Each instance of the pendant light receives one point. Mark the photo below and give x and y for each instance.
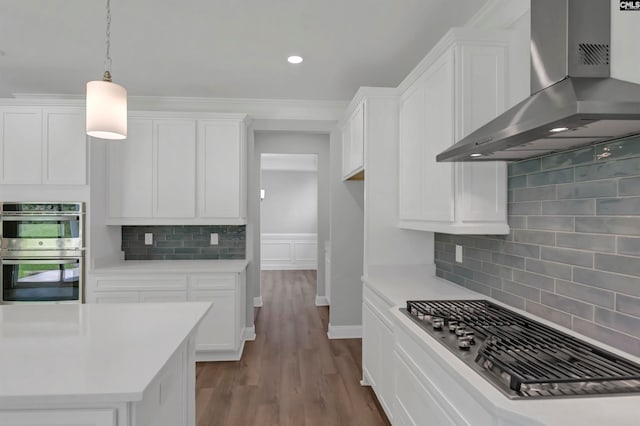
(106, 101)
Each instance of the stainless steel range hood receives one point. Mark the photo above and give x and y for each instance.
(573, 100)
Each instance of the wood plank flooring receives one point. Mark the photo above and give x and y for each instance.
(292, 374)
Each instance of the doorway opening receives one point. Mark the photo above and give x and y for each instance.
(288, 212)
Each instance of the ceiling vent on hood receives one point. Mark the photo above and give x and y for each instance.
(573, 100)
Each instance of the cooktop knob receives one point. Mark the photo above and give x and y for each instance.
(461, 330)
(437, 323)
(453, 325)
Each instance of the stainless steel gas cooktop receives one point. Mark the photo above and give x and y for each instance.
(522, 357)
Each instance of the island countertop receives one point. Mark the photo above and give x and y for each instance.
(77, 353)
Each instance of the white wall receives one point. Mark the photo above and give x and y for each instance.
(290, 205)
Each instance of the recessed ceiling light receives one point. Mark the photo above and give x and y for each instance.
(476, 154)
(295, 59)
(559, 129)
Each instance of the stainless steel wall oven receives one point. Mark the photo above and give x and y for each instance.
(42, 255)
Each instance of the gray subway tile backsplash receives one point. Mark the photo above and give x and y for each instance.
(609, 225)
(629, 186)
(618, 206)
(600, 188)
(550, 177)
(573, 255)
(184, 242)
(629, 245)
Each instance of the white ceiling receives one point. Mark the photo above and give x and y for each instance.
(221, 48)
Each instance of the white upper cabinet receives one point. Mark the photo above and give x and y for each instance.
(178, 171)
(459, 87)
(221, 169)
(353, 142)
(174, 157)
(65, 146)
(43, 145)
(130, 172)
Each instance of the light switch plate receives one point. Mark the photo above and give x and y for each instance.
(458, 253)
(148, 238)
(214, 239)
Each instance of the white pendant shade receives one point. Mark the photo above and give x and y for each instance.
(106, 110)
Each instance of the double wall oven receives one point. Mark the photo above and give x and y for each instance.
(42, 252)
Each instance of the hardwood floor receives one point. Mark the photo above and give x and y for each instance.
(292, 374)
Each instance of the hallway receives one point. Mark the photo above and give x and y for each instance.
(292, 374)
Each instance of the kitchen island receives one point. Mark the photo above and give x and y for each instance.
(98, 365)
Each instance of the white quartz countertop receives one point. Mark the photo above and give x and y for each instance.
(397, 284)
(88, 352)
(179, 266)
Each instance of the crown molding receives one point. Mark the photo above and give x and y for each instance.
(268, 109)
(368, 93)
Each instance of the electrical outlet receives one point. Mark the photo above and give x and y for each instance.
(148, 238)
(458, 253)
(214, 239)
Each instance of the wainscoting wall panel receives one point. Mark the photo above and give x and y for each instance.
(288, 251)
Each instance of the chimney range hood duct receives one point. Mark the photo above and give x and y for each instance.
(573, 100)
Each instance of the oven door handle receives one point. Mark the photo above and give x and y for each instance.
(40, 262)
(40, 218)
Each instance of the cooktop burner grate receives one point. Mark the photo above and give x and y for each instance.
(530, 358)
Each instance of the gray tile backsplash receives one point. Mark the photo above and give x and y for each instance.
(184, 242)
(573, 254)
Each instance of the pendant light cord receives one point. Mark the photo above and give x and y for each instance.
(107, 61)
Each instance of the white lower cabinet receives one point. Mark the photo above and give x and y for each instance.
(220, 335)
(377, 344)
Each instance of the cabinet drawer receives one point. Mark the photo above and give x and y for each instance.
(379, 306)
(162, 296)
(213, 282)
(414, 403)
(146, 282)
(90, 417)
(117, 297)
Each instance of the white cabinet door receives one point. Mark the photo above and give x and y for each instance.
(370, 346)
(174, 157)
(21, 143)
(480, 76)
(221, 163)
(412, 138)
(437, 186)
(130, 172)
(65, 146)
(357, 131)
(346, 149)
(217, 330)
(353, 140)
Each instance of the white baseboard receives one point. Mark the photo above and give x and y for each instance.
(344, 332)
(322, 301)
(257, 302)
(249, 333)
